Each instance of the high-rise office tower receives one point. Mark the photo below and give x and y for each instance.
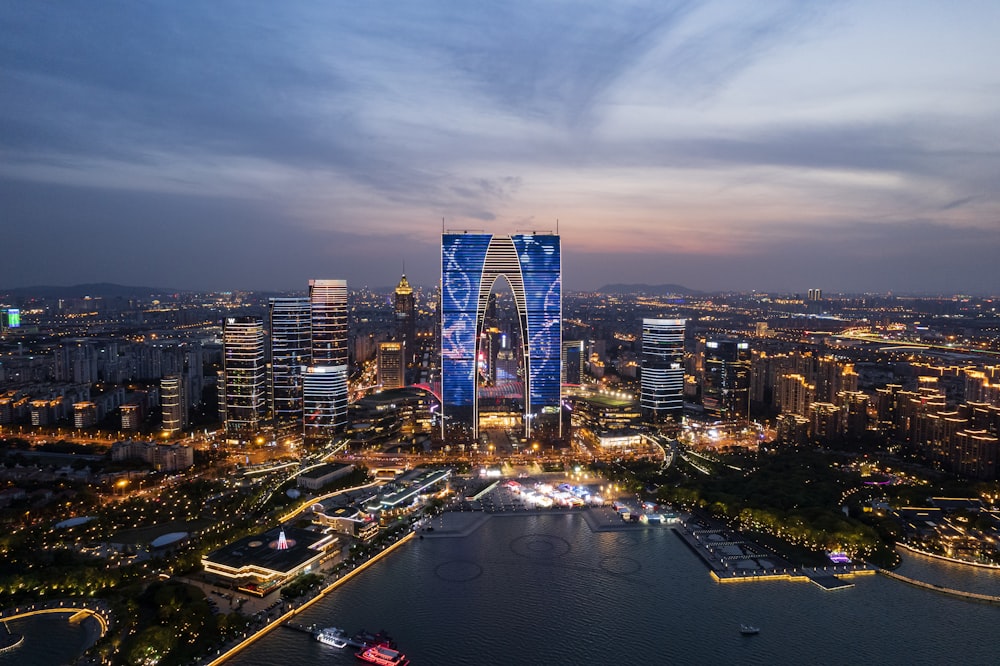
(572, 361)
(661, 393)
(324, 400)
(194, 374)
(406, 323)
(471, 264)
(391, 364)
(174, 403)
(328, 302)
(725, 385)
(244, 371)
(291, 350)
(220, 388)
(324, 382)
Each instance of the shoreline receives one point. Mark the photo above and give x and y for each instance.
(463, 525)
(978, 565)
(598, 519)
(280, 620)
(950, 591)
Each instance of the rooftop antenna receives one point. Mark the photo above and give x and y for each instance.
(557, 226)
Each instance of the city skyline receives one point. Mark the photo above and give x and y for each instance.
(720, 146)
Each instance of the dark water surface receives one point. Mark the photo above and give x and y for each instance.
(547, 590)
(49, 640)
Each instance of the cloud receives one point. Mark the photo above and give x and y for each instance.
(922, 258)
(958, 203)
(699, 131)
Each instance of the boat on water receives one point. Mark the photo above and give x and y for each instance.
(332, 636)
(747, 630)
(383, 656)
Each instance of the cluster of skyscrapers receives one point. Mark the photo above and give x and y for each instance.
(300, 375)
(308, 364)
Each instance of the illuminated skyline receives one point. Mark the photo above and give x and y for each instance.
(849, 146)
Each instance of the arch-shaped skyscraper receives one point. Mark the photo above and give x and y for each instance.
(471, 263)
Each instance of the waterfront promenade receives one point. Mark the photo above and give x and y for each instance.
(463, 523)
(270, 623)
(944, 558)
(733, 558)
(973, 596)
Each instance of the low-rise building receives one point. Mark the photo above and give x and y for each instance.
(261, 563)
(318, 477)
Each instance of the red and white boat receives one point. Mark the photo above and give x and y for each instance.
(384, 656)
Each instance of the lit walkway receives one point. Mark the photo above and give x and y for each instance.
(77, 609)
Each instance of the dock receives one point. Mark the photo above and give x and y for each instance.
(733, 558)
(311, 629)
(352, 641)
(830, 583)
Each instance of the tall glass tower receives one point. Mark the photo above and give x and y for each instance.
(725, 385)
(174, 403)
(471, 264)
(244, 372)
(291, 349)
(661, 393)
(324, 391)
(325, 380)
(406, 323)
(328, 300)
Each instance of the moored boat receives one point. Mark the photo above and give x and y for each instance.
(332, 636)
(383, 656)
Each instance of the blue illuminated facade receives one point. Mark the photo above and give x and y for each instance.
(471, 263)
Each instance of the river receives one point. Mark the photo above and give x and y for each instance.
(545, 589)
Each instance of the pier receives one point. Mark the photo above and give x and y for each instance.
(732, 558)
(311, 629)
(351, 641)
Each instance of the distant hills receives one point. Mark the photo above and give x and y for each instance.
(648, 289)
(95, 290)
(110, 290)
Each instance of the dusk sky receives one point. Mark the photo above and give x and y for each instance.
(850, 146)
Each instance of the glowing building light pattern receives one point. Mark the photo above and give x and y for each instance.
(291, 340)
(244, 373)
(471, 264)
(662, 379)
